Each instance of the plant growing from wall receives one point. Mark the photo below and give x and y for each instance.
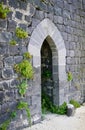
(6, 123)
(27, 55)
(22, 88)
(13, 42)
(69, 78)
(24, 69)
(75, 103)
(23, 105)
(47, 105)
(20, 33)
(24, 72)
(3, 11)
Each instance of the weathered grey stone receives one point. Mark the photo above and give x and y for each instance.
(57, 10)
(39, 15)
(7, 73)
(65, 23)
(23, 26)
(14, 83)
(4, 108)
(1, 96)
(5, 37)
(18, 59)
(59, 19)
(32, 10)
(70, 109)
(11, 25)
(60, 4)
(3, 24)
(22, 4)
(66, 14)
(28, 19)
(9, 61)
(10, 95)
(14, 4)
(10, 15)
(1, 64)
(43, 6)
(14, 50)
(18, 15)
(35, 22)
(5, 85)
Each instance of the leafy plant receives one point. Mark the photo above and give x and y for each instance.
(23, 105)
(5, 125)
(20, 33)
(25, 69)
(13, 114)
(75, 103)
(22, 88)
(69, 76)
(3, 11)
(47, 105)
(27, 55)
(62, 109)
(13, 42)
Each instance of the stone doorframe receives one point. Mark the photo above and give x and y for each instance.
(47, 30)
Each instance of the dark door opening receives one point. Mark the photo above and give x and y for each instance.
(46, 71)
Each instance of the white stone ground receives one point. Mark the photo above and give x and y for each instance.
(58, 122)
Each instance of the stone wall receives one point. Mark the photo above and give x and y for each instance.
(69, 18)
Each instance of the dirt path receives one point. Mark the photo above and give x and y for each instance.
(58, 122)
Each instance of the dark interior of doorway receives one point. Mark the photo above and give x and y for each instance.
(46, 74)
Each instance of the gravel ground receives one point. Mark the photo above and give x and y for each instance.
(58, 122)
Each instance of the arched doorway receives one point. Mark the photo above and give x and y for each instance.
(49, 70)
(46, 31)
(46, 70)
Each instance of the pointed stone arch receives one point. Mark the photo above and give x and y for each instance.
(47, 30)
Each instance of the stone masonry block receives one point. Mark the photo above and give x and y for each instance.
(5, 36)
(18, 15)
(9, 61)
(7, 73)
(3, 24)
(11, 25)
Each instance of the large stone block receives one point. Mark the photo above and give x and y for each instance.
(3, 24)
(9, 61)
(18, 15)
(11, 25)
(5, 36)
(1, 96)
(7, 73)
(18, 59)
(39, 15)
